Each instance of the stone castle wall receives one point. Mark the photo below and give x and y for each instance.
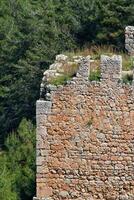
(85, 137)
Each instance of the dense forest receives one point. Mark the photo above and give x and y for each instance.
(32, 33)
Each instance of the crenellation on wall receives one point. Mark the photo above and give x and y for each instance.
(111, 73)
(84, 68)
(111, 68)
(129, 39)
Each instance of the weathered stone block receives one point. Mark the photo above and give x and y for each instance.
(84, 68)
(43, 107)
(129, 39)
(111, 68)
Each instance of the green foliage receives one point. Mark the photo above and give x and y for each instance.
(32, 32)
(95, 75)
(104, 21)
(6, 181)
(17, 164)
(128, 78)
(61, 80)
(127, 62)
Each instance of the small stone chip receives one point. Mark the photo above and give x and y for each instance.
(64, 194)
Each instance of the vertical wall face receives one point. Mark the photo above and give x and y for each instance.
(129, 39)
(111, 68)
(85, 138)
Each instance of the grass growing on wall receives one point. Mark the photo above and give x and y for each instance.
(95, 75)
(96, 51)
(127, 79)
(71, 68)
(60, 80)
(127, 62)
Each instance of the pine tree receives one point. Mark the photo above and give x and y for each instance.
(33, 32)
(105, 21)
(17, 164)
(6, 181)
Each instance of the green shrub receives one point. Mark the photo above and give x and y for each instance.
(7, 183)
(95, 75)
(128, 78)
